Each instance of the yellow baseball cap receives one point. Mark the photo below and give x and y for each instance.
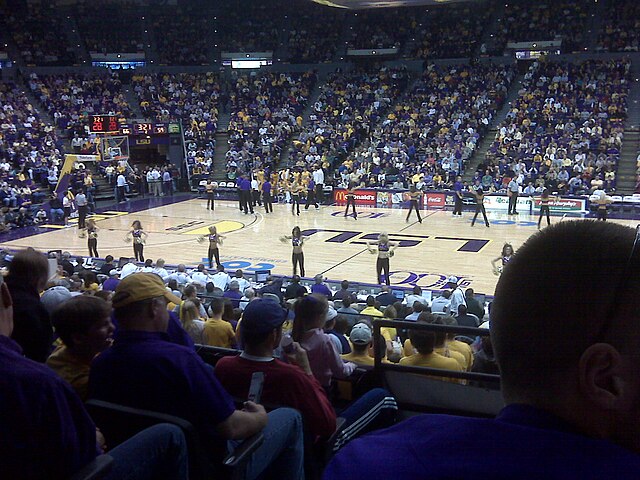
(141, 286)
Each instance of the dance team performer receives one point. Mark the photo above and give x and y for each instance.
(215, 240)
(384, 248)
(351, 200)
(139, 237)
(504, 258)
(297, 242)
(478, 192)
(92, 237)
(414, 198)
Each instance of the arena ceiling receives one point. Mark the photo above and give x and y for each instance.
(365, 4)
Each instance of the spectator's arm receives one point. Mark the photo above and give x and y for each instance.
(244, 423)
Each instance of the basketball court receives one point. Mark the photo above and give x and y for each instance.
(428, 254)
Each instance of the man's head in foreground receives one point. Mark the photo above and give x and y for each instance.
(565, 328)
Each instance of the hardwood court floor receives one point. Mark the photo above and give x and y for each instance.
(439, 247)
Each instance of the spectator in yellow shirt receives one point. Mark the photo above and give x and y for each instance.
(218, 332)
(371, 309)
(360, 336)
(425, 344)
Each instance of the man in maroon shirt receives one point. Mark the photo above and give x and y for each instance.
(284, 383)
(293, 384)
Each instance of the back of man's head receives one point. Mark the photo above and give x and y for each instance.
(446, 294)
(462, 309)
(295, 279)
(384, 289)
(344, 284)
(346, 302)
(417, 307)
(371, 301)
(29, 267)
(422, 340)
(543, 349)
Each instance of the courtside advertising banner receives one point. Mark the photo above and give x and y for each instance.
(501, 203)
(363, 197)
(576, 205)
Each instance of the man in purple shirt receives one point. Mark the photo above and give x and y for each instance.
(320, 288)
(266, 196)
(144, 369)
(45, 432)
(569, 374)
(245, 194)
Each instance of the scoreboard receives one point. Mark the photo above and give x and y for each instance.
(110, 124)
(104, 124)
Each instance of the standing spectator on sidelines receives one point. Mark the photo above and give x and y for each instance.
(512, 191)
(83, 209)
(266, 196)
(318, 179)
(167, 182)
(121, 187)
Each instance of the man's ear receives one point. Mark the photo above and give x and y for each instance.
(601, 376)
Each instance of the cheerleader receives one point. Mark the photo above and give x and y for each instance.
(544, 207)
(504, 258)
(384, 248)
(295, 189)
(92, 238)
(414, 198)
(351, 200)
(210, 189)
(478, 192)
(215, 240)
(139, 238)
(297, 241)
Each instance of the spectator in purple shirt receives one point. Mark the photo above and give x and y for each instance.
(233, 293)
(112, 282)
(45, 432)
(320, 288)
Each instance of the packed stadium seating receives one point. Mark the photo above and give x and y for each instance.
(110, 27)
(348, 107)
(266, 111)
(567, 120)
(182, 34)
(621, 29)
(437, 124)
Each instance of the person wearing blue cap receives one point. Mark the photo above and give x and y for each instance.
(292, 384)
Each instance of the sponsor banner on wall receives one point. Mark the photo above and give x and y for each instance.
(563, 205)
(435, 200)
(501, 203)
(363, 197)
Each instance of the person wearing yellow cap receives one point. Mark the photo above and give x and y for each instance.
(144, 369)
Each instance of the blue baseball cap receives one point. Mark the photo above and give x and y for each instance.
(262, 316)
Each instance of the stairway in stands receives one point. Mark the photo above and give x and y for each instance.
(480, 153)
(219, 172)
(626, 177)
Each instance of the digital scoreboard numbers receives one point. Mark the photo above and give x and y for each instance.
(104, 124)
(142, 128)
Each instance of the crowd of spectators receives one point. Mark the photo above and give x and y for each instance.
(30, 152)
(314, 34)
(191, 98)
(182, 34)
(549, 20)
(452, 31)
(110, 26)
(565, 129)
(621, 27)
(266, 109)
(71, 98)
(433, 129)
(38, 33)
(349, 105)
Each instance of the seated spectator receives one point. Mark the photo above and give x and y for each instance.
(348, 312)
(294, 289)
(180, 275)
(190, 292)
(243, 283)
(567, 369)
(274, 287)
(442, 303)
(129, 268)
(55, 296)
(200, 275)
(144, 370)
(344, 292)
(371, 309)
(293, 384)
(249, 295)
(233, 293)
(427, 344)
(416, 296)
(385, 298)
(68, 439)
(454, 345)
(111, 283)
(84, 325)
(218, 332)
(324, 359)
(336, 326)
(485, 360)
(361, 338)
(28, 274)
(160, 270)
(192, 321)
(418, 308)
(320, 288)
(473, 305)
(466, 319)
(108, 265)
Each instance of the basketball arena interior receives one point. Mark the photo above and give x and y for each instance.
(264, 239)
